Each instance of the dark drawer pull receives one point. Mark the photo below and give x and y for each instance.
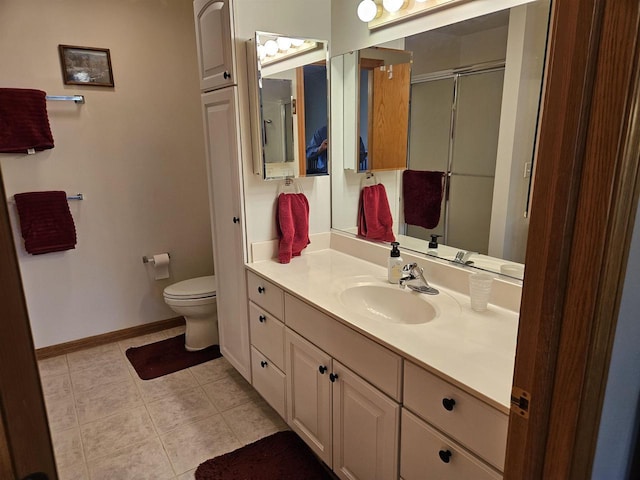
(262, 319)
(263, 364)
(445, 455)
(236, 220)
(322, 369)
(226, 75)
(260, 289)
(448, 403)
(333, 377)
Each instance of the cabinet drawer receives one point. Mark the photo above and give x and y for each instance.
(427, 454)
(269, 381)
(376, 364)
(479, 427)
(267, 334)
(265, 294)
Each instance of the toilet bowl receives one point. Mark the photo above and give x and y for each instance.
(195, 300)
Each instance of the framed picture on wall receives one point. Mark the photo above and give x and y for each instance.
(86, 66)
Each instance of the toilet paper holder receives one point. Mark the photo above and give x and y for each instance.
(150, 259)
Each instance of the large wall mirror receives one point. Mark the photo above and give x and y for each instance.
(474, 96)
(288, 101)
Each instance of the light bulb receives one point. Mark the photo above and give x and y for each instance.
(284, 43)
(262, 52)
(421, 1)
(367, 10)
(297, 42)
(392, 6)
(271, 47)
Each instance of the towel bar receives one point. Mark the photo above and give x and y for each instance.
(78, 196)
(79, 99)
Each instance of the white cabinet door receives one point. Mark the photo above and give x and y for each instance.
(224, 171)
(365, 429)
(214, 43)
(309, 393)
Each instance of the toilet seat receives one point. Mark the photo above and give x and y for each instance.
(192, 289)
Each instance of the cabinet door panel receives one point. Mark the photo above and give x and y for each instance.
(269, 381)
(365, 429)
(214, 44)
(421, 450)
(222, 145)
(309, 394)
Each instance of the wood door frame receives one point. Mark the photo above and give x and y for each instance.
(25, 442)
(586, 187)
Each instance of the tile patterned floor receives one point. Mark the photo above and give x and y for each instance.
(106, 423)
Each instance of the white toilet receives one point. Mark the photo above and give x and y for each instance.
(195, 300)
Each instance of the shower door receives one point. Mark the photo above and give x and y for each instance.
(454, 129)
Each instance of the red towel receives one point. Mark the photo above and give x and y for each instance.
(46, 222)
(292, 220)
(422, 195)
(374, 215)
(24, 123)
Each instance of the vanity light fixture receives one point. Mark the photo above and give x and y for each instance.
(277, 48)
(368, 10)
(392, 6)
(373, 13)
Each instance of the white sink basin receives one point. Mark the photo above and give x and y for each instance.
(387, 303)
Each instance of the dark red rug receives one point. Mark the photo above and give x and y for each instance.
(167, 356)
(281, 456)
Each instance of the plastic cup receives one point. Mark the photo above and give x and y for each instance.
(480, 290)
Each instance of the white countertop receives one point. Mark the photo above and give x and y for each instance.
(475, 351)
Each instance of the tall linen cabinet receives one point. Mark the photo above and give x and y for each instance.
(220, 106)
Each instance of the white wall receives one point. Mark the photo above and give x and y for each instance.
(298, 18)
(136, 151)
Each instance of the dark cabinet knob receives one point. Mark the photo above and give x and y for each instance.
(263, 364)
(262, 319)
(236, 220)
(445, 455)
(226, 75)
(322, 369)
(448, 403)
(260, 289)
(333, 377)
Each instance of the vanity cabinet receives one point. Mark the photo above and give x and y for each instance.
(475, 432)
(214, 41)
(266, 308)
(344, 416)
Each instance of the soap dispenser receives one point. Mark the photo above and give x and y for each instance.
(394, 273)
(433, 245)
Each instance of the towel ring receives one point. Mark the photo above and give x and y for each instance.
(289, 186)
(368, 180)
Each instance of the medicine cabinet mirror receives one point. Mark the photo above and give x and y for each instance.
(288, 102)
(474, 95)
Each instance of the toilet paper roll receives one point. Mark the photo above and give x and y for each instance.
(161, 265)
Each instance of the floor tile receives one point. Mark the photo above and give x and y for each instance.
(212, 370)
(56, 385)
(166, 385)
(143, 461)
(190, 475)
(175, 331)
(91, 356)
(253, 421)
(100, 374)
(230, 392)
(105, 400)
(61, 412)
(179, 408)
(191, 444)
(53, 366)
(110, 434)
(141, 340)
(77, 471)
(67, 447)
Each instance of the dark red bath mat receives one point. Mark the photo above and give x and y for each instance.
(281, 456)
(167, 356)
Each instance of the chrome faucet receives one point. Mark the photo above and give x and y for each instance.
(462, 257)
(414, 279)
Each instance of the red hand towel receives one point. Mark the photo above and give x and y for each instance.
(45, 222)
(24, 123)
(292, 220)
(422, 195)
(374, 215)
